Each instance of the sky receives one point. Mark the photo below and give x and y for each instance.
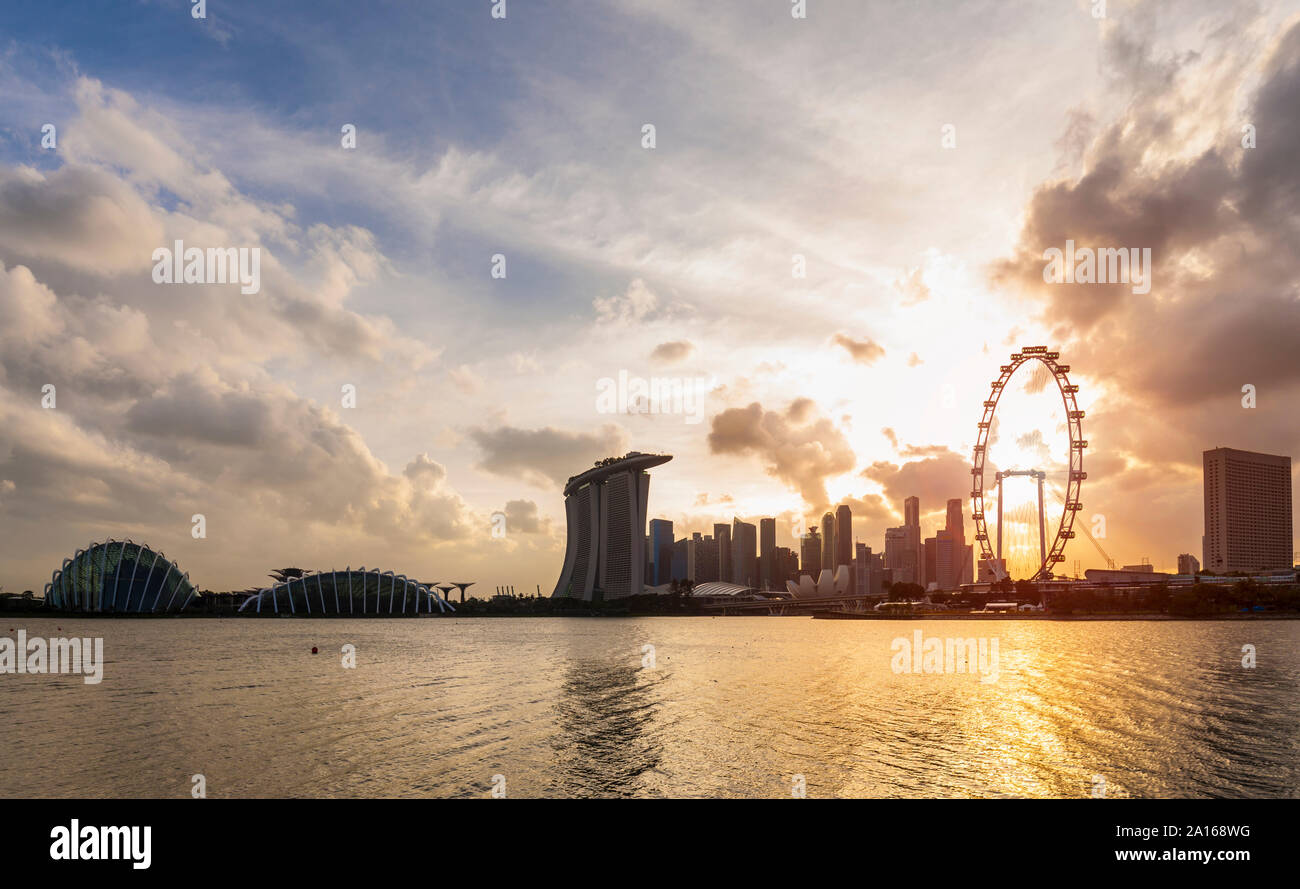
(834, 239)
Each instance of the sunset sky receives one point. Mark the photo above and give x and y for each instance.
(774, 137)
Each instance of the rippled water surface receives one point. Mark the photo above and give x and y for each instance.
(731, 707)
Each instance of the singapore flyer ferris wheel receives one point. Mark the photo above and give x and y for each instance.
(1049, 558)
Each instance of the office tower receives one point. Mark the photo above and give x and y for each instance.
(861, 568)
(1187, 564)
(913, 567)
(828, 541)
(684, 559)
(1247, 511)
(963, 555)
(929, 561)
(605, 510)
(661, 550)
(810, 554)
(787, 567)
(875, 573)
(844, 541)
(706, 558)
(744, 553)
(955, 520)
(767, 554)
(898, 559)
(722, 539)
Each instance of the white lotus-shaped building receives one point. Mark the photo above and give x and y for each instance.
(827, 584)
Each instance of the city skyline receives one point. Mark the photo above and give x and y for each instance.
(827, 300)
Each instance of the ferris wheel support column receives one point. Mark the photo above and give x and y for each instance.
(1000, 518)
(1042, 526)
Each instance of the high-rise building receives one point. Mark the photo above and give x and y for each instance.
(744, 553)
(913, 567)
(684, 563)
(828, 541)
(899, 559)
(767, 554)
(861, 568)
(605, 509)
(810, 554)
(706, 560)
(722, 539)
(1247, 511)
(963, 554)
(1187, 564)
(956, 523)
(844, 541)
(787, 566)
(661, 550)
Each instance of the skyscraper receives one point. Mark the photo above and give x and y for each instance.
(828, 541)
(810, 554)
(605, 508)
(963, 554)
(955, 519)
(1187, 564)
(912, 568)
(898, 560)
(843, 536)
(1247, 511)
(767, 553)
(722, 540)
(706, 560)
(661, 550)
(744, 553)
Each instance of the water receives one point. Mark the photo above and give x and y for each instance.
(734, 707)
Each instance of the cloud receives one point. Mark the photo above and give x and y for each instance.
(1171, 173)
(864, 351)
(522, 518)
(672, 352)
(633, 305)
(545, 457)
(77, 216)
(797, 446)
(466, 380)
(934, 479)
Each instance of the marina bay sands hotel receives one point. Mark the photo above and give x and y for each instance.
(606, 511)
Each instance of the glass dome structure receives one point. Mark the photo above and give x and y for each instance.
(119, 576)
(347, 592)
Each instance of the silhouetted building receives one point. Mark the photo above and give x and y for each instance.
(912, 565)
(828, 541)
(844, 541)
(767, 553)
(605, 508)
(744, 553)
(722, 540)
(1187, 564)
(661, 550)
(810, 554)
